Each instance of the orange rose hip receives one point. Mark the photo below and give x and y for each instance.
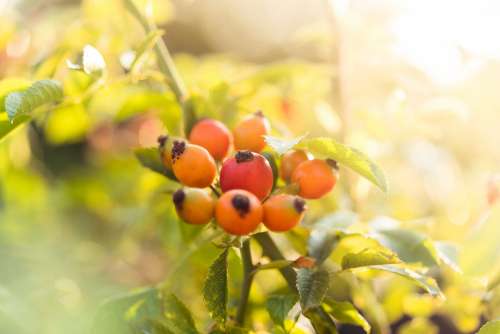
(194, 206)
(193, 165)
(249, 133)
(238, 212)
(315, 178)
(289, 161)
(283, 212)
(213, 136)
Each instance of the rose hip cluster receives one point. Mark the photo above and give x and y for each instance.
(246, 178)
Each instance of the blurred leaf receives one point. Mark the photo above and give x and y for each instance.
(326, 234)
(346, 313)
(270, 158)
(279, 306)
(163, 105)
(230, 329)
(410, 246)
(39, 93)
(368, 257)
(425, 282)
(92, 60)
(7, 126)
(448, 253)
(312, 286)
(327, 148)
(282, 146)
(338, 221)
(10, 85)
(491, 327)
(67, 124)
(116, 315)
(215, 291)
(178, 318)
(150, 158)
(48, 66)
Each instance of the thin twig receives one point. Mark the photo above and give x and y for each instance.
(165, 61)
(215, 191)
(246, 257)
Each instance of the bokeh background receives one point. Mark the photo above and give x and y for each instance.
(414, 84)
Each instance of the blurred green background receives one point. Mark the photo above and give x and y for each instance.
(412, 84)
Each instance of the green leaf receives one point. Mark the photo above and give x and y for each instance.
(150, 158)
(178, 318)
(118, 315)
(327, 148)
(321, 321)
(282, 146)
(40, 93)
(346, 313)
(425, 282)
(327, 232)
(410, 246)
(10, 85)
(215, 292)
(312, 286)
(491, 327)
(368, 257)
(7, 126)
(279, 306)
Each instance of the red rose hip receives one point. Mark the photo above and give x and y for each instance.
(249, 171)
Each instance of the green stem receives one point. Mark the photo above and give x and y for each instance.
(248, 267)
(246, 257)
(271, 250)
(165, 61)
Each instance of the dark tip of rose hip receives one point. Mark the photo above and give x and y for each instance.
(332, 163)
(177, 149)
(242, 204)
(299, 204)
(178, 198)
(259, 113)
(162, 140)
(243, 156)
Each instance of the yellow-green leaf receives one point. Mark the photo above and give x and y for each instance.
(328, 148)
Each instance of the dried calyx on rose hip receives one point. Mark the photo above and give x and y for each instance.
(165, 145)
